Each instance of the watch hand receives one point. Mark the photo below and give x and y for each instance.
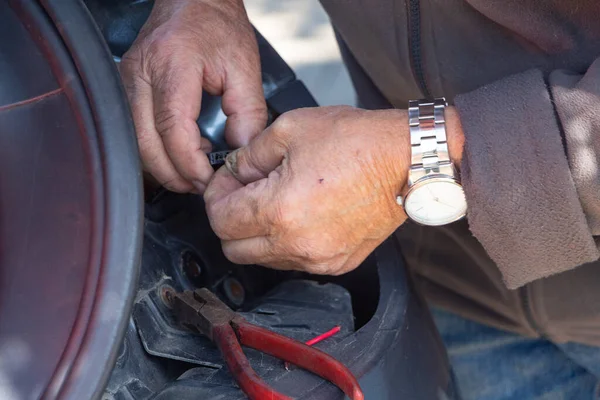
(435, 198)
(447, 205)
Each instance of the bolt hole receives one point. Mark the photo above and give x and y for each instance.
(234, 291)
(193, 268)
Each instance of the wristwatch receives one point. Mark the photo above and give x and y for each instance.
(434, 195)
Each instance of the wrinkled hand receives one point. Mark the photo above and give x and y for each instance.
(316, 191)
(185, 46)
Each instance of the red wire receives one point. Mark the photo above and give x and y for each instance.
(324, 336)
(316, 340)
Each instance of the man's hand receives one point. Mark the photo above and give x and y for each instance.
(315, 192)
(184, 47)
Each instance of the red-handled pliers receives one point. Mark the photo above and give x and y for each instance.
(203, 312)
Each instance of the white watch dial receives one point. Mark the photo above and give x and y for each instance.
(438, 202)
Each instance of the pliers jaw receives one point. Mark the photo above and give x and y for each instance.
(202, 311)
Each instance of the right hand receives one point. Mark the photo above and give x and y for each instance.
(184, 47)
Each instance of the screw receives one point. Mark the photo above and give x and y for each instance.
(166, 295)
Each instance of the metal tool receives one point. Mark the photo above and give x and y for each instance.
(203, 312)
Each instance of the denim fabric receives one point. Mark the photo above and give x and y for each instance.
(491, 364)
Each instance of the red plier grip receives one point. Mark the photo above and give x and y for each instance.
(201, 310)
(297, 353)
(239, 366)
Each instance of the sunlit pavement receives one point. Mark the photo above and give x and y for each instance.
(300, 31)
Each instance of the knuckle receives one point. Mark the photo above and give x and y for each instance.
(212, 209)
(134, 62)
(245, 161)
(166, 120)
(133, 86)
(343, 110)
(131, 62)
(284, 213)
(163, 43)
(292, 124)
(284, 124)
(257, 112)
(220, 229)
(150, 158)
(342, 115)
(148, 153)
(311, 251)
(332, 265)
(145, 142)
(231, 254)
(220, 223)
(338, 267)
(177, 185)
(319, 268)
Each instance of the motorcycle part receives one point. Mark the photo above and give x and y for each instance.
(217, 158)
(70, 203)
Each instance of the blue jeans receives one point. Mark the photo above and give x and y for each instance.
(491, 364)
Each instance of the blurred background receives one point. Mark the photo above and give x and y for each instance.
(300, 31)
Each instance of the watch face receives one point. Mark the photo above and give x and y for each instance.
(436, 202)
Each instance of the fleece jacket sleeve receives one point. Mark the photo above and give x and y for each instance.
(534, 194)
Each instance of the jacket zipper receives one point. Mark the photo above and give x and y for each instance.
(414, 45)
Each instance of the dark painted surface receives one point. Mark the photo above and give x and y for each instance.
(31, 75)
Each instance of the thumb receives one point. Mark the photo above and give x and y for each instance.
(255, 161)
(244, 104)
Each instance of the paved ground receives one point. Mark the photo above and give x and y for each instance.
(300, 31)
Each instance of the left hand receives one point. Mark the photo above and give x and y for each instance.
(185, 47)
(314, 192)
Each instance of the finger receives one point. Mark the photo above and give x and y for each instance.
(256, 250)
(177, 98)
(255, 161)
(205, 145)
(244, 103)
(236, 211)
(152, 151)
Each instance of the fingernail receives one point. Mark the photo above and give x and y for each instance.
(231, 162)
